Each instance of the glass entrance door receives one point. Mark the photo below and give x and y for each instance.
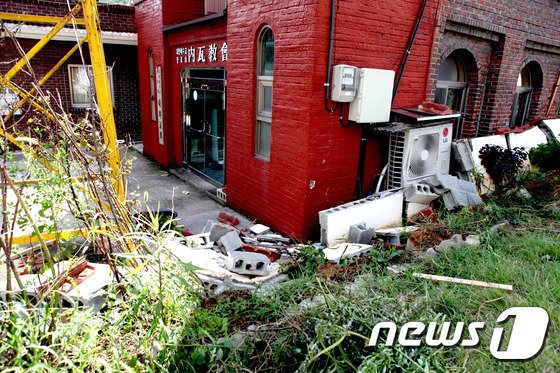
(204, 121)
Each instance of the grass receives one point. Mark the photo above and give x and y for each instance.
(317, 321)
(332, 334)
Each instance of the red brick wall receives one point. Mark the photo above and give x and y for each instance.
(314, 160)
(122, 58)
(149, 23)
(113, 17)
(175, 11)
(503, 36)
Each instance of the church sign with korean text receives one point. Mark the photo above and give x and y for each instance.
(202, 54)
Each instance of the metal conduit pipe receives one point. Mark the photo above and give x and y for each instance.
(329, 59)
(402, 68)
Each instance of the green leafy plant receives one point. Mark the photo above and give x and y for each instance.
(502, 164)
(546, 156)
(309, 258)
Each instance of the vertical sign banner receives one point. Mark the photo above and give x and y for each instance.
(159, 105)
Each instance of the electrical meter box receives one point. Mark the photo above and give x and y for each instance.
(373, 97)
(344, 83)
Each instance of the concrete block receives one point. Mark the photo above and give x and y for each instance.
(419, 193)
(273, 255)
(361, 234)
(462, 153)
(346, 250)
(456, 240)
(91, 292)
(212, 285)
(454, 191)
(208, 226)
(259, 229)
(251, 264)
(229, 242)
(219, 230)
(472, 240)
(273, 238)
(377, 212)
(197, 241)
(393, 235)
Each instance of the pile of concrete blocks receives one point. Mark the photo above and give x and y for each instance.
(456, 193)
(84, 288)
(230, 258)
(381, 211)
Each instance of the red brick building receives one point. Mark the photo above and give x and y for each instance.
(120, 45)
(235, 90)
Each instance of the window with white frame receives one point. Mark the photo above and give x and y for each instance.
(82, 85)
(265, 72)
(452, 83)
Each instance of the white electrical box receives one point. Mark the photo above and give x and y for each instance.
(344, 83)
(374, 96)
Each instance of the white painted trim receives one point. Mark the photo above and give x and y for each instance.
(25, 31)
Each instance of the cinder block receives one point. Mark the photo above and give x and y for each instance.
(375, 212)
(251, 264)
(198, 241)
(219, 230)
(360, 233)
(419, 193)
(462, 152)
(230, 242)
(346, 250)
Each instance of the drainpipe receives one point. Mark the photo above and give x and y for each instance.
(329, 59)
(361, 163)
(402, 67)
(411, 40)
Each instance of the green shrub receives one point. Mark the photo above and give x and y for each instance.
(502, 164)
(546, 156)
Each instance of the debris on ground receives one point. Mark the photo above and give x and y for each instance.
(454, 280)
(231, 259)
(429, 236)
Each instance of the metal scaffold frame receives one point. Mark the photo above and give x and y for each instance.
(88, 8)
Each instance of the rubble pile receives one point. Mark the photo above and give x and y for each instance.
(231, 258)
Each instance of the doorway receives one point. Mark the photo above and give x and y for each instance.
(204, 122)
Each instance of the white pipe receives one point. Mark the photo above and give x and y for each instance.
(381, 176)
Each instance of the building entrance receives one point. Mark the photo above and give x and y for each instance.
(204, 121)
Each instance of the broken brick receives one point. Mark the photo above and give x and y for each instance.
(270, 254)
(229, 219)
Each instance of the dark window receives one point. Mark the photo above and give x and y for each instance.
(522, 98)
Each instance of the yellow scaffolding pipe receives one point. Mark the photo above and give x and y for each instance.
(102, 88)
(103, 93)
(44, 79)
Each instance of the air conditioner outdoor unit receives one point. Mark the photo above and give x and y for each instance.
(417, 153)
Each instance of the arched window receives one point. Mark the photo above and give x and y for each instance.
(522, 97)
(452, 83)
(152, 85)
(265, 72)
